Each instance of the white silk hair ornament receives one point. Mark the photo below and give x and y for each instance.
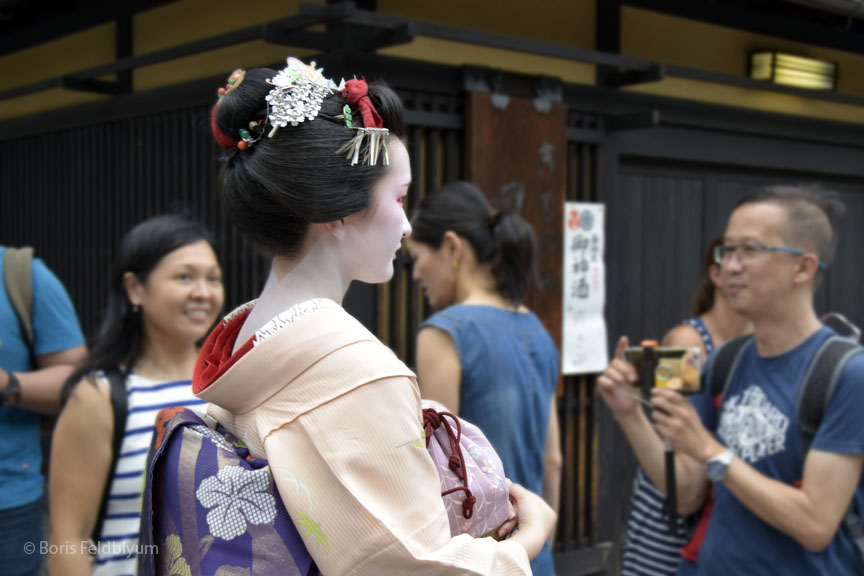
(299, 90)
(297, 94)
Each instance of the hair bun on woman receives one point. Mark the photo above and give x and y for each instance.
(281, 176)
(501, 239)
(240, 106)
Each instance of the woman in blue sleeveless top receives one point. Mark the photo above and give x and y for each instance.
(650, 549)
(484, 355)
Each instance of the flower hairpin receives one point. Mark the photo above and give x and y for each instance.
(297, 95)
(298, 91)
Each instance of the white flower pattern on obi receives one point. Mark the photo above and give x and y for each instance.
(214, 436)
(238, 497)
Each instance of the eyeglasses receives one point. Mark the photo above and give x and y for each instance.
(749, 252)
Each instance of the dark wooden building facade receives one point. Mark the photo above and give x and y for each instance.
(669, 171)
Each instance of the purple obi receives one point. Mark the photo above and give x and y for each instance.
(210, 507)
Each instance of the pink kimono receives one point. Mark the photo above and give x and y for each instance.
(338, 416)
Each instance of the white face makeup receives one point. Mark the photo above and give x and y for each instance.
(374, 236)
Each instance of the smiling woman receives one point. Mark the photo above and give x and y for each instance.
(166, 292)
(179, 298)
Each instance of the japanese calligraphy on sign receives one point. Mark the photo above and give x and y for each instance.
(584, 291)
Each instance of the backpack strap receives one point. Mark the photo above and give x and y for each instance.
(852, 524)
(119, 407)
(842, 326)
(724, 364)
(820, 382)
(18, 278)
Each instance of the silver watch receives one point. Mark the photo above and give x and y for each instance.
(717, 467)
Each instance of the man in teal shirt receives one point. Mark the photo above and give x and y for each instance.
(26, 392)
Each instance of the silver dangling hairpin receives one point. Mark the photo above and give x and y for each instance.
(376, 146)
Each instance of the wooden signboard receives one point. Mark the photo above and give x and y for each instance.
(517, 156)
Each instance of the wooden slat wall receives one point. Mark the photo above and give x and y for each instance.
(436, 155)
(73, 195)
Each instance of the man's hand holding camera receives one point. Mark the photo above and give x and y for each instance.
(677, 421)
(616, 385)
(675, 418)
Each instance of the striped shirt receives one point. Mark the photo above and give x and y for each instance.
(116, 554)
(650, 549)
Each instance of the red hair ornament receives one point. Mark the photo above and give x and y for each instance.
(373, 133)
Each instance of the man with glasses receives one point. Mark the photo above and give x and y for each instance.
(776, 510)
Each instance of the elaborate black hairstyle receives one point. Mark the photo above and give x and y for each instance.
(275, 188)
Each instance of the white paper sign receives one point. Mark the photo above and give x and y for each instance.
(584, 290)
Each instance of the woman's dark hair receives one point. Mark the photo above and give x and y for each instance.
(118, 342)
(277, 186)
(704, 299)
(503, 240)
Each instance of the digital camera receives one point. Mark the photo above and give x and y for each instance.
(676, 368)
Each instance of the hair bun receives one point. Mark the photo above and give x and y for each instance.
(239, 106)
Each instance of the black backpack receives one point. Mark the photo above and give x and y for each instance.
(813, 398)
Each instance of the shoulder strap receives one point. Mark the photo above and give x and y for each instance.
(119, 406)
(18, 278)
(852, 524)
(842, 326)
(725, 362)
(820, 382)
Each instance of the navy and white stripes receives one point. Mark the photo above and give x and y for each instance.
(650, 549)
(119, 539)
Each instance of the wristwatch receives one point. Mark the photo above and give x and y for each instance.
(11, 396)
(717, 467)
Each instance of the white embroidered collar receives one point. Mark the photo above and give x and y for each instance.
(291, 315)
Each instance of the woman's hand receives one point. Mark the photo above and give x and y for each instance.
(535, 518)
(616, 383)
(507, 527)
